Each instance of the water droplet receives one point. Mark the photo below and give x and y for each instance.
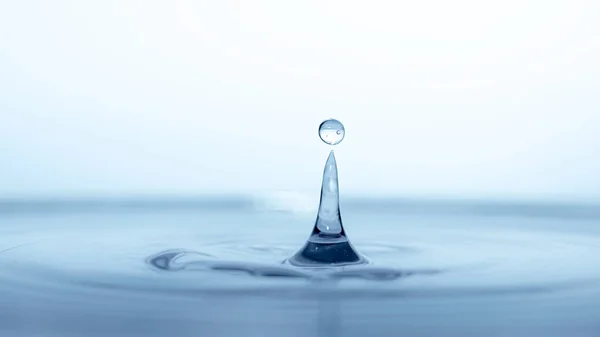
(332, 131)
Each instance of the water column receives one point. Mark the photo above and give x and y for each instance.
(328, 243)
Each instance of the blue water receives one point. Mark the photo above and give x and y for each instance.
(82, 268)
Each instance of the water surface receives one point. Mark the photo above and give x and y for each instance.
(90, 268)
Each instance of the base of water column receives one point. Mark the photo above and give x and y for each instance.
(326, 251)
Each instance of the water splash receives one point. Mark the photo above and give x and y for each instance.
(328, 243)
(329, 220)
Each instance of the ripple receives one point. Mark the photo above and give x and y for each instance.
(180, 260)
(416, 261)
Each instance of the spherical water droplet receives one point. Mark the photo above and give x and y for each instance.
(332, 131)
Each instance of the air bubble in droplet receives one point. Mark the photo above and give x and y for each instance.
(332, 131)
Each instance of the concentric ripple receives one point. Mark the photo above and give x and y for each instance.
(417, 262)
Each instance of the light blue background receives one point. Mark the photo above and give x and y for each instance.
(439, 98)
